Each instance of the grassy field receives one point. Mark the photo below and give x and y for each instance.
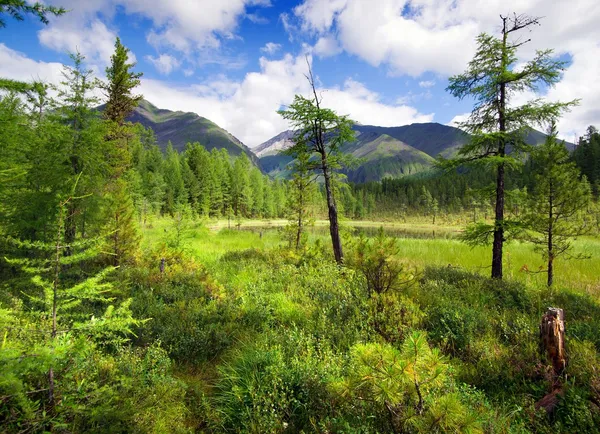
(266, 339)
(208, 241)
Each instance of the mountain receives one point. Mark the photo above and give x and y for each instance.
(181, 128)
(383, 156)
(385, 151)
(278, 143)
(382, 151)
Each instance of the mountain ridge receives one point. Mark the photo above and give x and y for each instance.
(386, 151)
(180, 128)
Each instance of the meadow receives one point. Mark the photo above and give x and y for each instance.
(267, 339)
(421, 244)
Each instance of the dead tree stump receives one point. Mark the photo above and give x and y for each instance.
(552, 346)
(552, 339)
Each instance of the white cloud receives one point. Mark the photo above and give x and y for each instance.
(271, 48)
(94, 40)
(164, 63)
(327, 46)
(456, 120)
(418, 36)
(426, 84)
(248, 108)
(181, 25)
(17, 66)
(257, 19)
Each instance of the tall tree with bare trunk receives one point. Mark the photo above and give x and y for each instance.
(320, 132)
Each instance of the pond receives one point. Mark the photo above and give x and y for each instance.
(371, 231)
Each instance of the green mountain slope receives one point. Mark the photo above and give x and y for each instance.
(384, 157)
(387, 151)
(181, 128)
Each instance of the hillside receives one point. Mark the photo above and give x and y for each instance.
(384, 157)
(181, 128)
(391, 152)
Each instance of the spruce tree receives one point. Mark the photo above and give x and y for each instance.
(498, 127)
(557, 203)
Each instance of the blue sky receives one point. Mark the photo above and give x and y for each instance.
(383, 62)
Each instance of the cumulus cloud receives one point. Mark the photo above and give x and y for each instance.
(17, 66)
(271, 48)
(418, 36)
(426, 84)
(178, 25)
(164, 63)
(327, 46)
(94, 40)
(248, 108)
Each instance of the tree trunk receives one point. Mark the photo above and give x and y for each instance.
(334, 228)
(550, 239)
(499, 212)
(299, 232)
(498, 225)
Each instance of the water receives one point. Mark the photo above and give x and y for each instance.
(371, 231)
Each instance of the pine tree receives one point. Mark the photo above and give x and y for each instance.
(84, 137)
(124, 238)
(63, 310)
(557, 203)
(497, 126)
(175, 194)
(121, 102)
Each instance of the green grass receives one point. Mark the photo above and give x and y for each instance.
(208, 241)
(250, 326)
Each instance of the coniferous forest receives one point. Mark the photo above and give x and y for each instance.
(154, 288)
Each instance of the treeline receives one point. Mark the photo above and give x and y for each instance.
(209, 184)
(465, 192)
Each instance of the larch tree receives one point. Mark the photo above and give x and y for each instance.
(320, 132)
(557, 203)
(119, 88)
(498, 128)
(121, 81)
(298, 198)
(17, 9)
(84, 140)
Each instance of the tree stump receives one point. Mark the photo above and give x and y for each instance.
(552, 346)
(552, 339)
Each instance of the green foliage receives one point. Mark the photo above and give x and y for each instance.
(121, 82)
(319, 134)
(558, 203)
(377, 260)
(499, 128)
(412, 384)
(17, 8)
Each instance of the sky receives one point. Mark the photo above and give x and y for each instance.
(236, 62)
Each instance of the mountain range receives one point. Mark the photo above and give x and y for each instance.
(385, 152)
(181, 128)
(381, 151)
